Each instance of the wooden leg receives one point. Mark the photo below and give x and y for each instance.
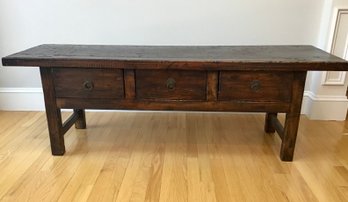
(268, 123)
(290, 134)
(54, 129)
(293, 117)
(53, 114)
(81, 121)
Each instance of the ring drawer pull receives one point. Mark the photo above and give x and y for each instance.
(170, 84)
(88, 85)
(255, 85)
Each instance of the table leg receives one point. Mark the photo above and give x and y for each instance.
(293, 117)
(268, 123)
(53, 114)
(81, 120)
(290, 134)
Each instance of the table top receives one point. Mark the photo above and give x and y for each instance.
(294, 58)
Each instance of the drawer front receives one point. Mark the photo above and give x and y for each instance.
(88, 83)
(255, 86)
(170, 85)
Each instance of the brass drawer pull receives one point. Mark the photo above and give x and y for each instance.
(170, 84)
(255, 85)
(88, 85)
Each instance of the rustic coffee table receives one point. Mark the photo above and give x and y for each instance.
(267, 79)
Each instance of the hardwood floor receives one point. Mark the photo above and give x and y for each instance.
(163, 156)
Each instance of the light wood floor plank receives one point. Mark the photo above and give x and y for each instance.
(111, 176)
(50, 173)
(164, 156)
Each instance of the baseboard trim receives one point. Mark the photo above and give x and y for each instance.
(319, 107)
(21, 99)
(324, 107)
(21, 90)
(325, 98)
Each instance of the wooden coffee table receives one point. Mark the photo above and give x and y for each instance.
(267, 79)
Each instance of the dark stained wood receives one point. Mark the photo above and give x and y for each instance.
(212, 85)
(293, 117)
(56, 128)
(194, 78)
(173, 105)
(129, 83)
(91, 83)
(54, 118)
(186, 85)
(285, 58)
(277, 125)
(81, 120)
(255, 86)
(69, 122)
(268, 122)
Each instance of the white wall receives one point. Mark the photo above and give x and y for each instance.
(326, 102)
(26, 23)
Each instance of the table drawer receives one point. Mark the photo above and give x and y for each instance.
(170, 85)
(255, 86)
(88, 83)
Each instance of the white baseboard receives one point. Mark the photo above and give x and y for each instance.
(21, 99)
(316, 107)
(324, 107)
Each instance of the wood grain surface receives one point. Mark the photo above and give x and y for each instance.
(105, 83)
(195, 157)
(255, 86)
(178, 57)
(187, 85)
